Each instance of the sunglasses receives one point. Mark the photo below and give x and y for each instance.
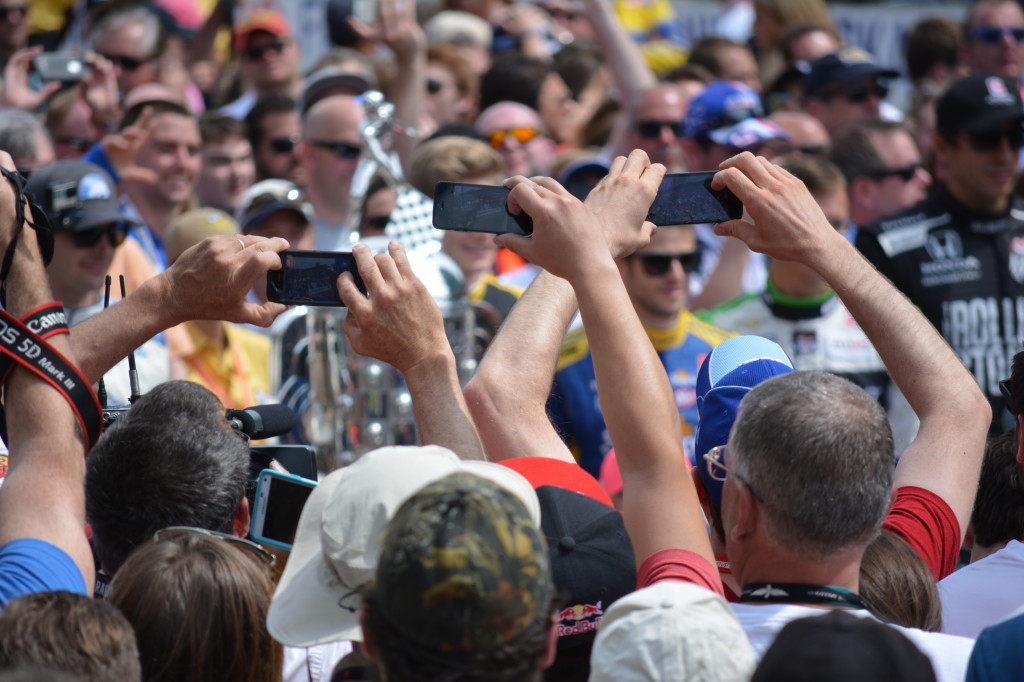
(377, 222)
(1011, 405)
(256, 53)
(114, 232)
(906, 174)
(993, 35)
(13, 13)
(283, 145)
(434, 86)
(247, 546)
(860, 93)
(986, 142)
(126, 63)
(657, 264)
(343, 150)
(714, 460)
(80, 144)
(498, 138)
(651, 130)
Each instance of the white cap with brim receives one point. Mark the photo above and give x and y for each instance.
(338, 540)
(747, 133)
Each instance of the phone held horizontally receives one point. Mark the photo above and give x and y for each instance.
(687, 199)
(477, 208)
(311, 277)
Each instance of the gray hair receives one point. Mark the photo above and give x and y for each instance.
(819, 450)
(151, 40)
(19, 133)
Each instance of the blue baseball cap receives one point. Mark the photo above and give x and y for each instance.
(730, 114)
(730, 370)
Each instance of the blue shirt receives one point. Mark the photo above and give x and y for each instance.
(28, 565)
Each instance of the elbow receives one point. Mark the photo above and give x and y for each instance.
(482, 398)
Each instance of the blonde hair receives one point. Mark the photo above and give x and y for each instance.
(453, 158)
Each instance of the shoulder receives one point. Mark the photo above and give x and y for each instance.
(703, 330)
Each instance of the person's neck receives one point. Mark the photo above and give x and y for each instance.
(75, 300)
(157, 216)
(978, 205)
(979, 552)
(293, 89)
(775, 565)
(659, 322)
(331, 210)
(214, 331)
(796, 280)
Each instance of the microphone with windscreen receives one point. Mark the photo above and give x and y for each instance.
(262, 421)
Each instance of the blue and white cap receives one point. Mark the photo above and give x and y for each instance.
(730, 370)
(730, 114)
(75, 195)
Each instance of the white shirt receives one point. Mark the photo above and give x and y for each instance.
(983, 593)
(762, 622)
(314, 663)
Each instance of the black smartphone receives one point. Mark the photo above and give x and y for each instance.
(65, 67)
(279, 502)
(311, 277)
(687, 199)
(477, 208)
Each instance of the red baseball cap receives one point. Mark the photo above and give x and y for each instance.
(271, 22)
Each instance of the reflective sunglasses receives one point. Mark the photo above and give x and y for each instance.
(256, 53)
(247, 546)
(343, 150)
(651, 130)
(986, 142)
(126, 63)
(434, 86)
(283, 145)
(1011, 404)
(114, 232)
(906, 174)
(859, 93)
(497, 138)
(657, 264)
(993, 35)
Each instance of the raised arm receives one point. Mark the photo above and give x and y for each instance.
(660, 506)
(946, 455)
(208, 282)
(400, 324)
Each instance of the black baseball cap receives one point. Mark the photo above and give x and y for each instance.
(978, 103)
(75, 195)
(848, 65)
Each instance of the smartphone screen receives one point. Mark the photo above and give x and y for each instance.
(279, 502)
(311, 278)
(477, 208)
(687, 199)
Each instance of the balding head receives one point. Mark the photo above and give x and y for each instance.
(334, 118)
(806, 135)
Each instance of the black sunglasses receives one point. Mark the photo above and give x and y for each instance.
(256, 53)
(377, 222)
(283, 145)
(434, 86)
(986, 142)
(80, 144)
(115, 233)
(657, 264)
(992, 35)
(343, 150)
(859, 93)
(1004, 388)
(126, 63)
(13, 13)
(906, 174)
(651, 130)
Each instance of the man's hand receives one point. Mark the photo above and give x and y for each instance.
(99, 89)
(399, 323)
(210, 280)
(123, 147)
(17, 91)
(788, 223)
(622, 199)
(397, 28)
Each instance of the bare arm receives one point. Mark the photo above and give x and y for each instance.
(660, 506)
(43, 495)
(945, 457)
(402, 33)
(208, 282)
(400, 324)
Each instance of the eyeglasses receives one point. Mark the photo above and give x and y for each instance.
(714, 461)
(126, 63)
(434, 86)
(114, 232)
(377, 222)
(657, 264)
(80, 144)
(283, 145)
(989, 141)
(343, 150)
(497, 138)
(859, 93)
(256, 53)
(13, 13)
(992, 35)
(1011, 404)
(651, 130)
(247, 546)
(906, 174)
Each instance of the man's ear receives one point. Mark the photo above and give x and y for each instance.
(243, 518)
(747, 516)
(552, 649)
(863, 191)
(368, 647)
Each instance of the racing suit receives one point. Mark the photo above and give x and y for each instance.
(965, 271)
(573, 405)
(819, 333)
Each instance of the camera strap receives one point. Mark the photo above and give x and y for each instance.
(800, 593)
(24, 342)
(39, 223)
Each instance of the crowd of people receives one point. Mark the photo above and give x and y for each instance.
(781, 447)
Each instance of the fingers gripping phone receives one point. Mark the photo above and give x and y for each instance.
(477, 208)
(311, 277)
(279, 502)
(687, 199)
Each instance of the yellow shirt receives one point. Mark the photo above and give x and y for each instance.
(240, 374)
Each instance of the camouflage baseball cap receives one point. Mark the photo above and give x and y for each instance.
(464, 568)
